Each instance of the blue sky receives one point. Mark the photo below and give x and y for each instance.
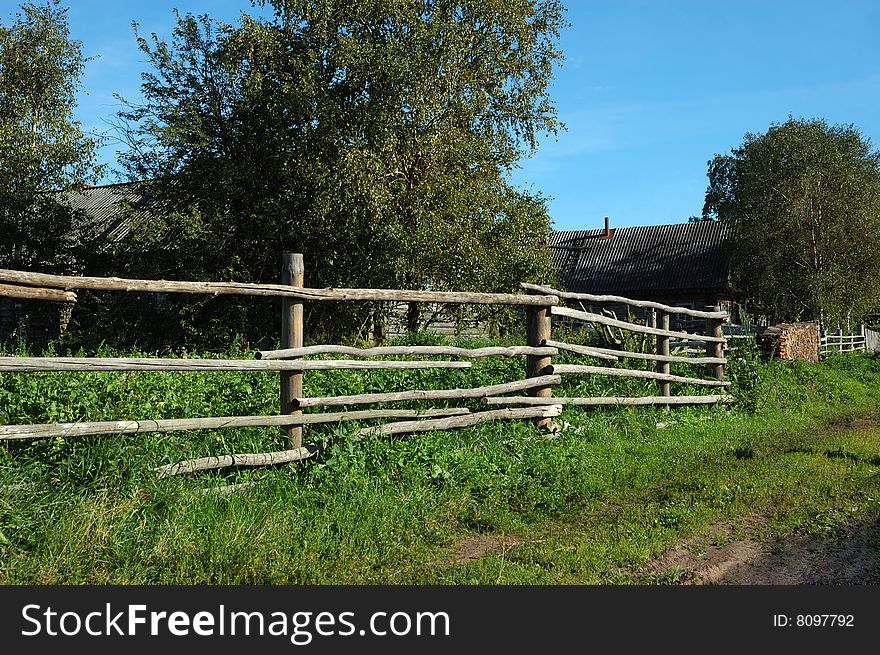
(650, 91)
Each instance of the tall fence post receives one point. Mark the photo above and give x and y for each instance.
(538, 331)
(293, 274)
(715, 348)
(663, 349)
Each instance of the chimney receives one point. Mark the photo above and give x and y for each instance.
(607, 233)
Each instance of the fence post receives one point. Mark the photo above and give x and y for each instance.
(293, 274)
(538, 330)
(663, 349)
(715, 348)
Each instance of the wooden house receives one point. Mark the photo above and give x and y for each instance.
(684, 265)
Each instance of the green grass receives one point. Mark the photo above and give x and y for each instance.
(589, 506)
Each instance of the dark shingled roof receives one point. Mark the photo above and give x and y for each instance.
(112, 211)
(645, 260)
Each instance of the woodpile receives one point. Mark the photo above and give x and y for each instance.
(791, 341)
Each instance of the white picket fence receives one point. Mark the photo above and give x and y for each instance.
(832, 344)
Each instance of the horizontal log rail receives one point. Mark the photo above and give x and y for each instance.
(36, 293)
(442, 394)
(252, 289)
(92, 364)
(145, 426)
(407, 427)
(407, 350)
(646, 304)
(608, 353)
(245, 459)
(632, 327)
(563, 369)
(582, 350)
(609, 400)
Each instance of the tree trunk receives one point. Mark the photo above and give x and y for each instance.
(378, 327)
(413, 315)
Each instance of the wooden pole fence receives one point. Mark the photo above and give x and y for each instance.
(541, 304)
(280, 290)
(614, 355)
(608, 400)
(663, 353)
(34, 293)
(49, 364)
(441, 394)
(145, 426)
(632, 327)
(598, 353)
(631, 373)
(539, 326)
(405, 427)
(225, 461)
(452, 351)
(598, 299)
(715, 349)
(292, 274)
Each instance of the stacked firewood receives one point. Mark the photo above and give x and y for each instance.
(791, 341)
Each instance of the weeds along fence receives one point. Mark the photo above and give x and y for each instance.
(541, 305)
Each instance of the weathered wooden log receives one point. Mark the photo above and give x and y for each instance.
(34, 293)
(629, 373)
(598, 353)
(611, 354)
(251, 289)
(715, 350)
(44, 364)
(609, 400)
(405, 427)
(225, 461)
(443, 394)
(292, 274)
(539, 327)
(663, 351)
(385, 351)
(591, 297)
(39, 431)
(632, 327)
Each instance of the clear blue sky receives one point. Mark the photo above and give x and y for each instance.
(649, 90)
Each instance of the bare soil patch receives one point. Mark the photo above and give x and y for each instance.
(856, 424)
(477, 546)
(848, 556)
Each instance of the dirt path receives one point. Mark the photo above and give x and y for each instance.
(849, 556)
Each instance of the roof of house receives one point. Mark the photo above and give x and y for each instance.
(112, 211)
(649, 259)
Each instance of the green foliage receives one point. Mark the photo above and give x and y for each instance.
(375, 138)
(42, 149)
(803, 201)
(746, 369)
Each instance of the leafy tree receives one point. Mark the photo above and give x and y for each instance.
(804, 203)
(42, 149)
(374, 137)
